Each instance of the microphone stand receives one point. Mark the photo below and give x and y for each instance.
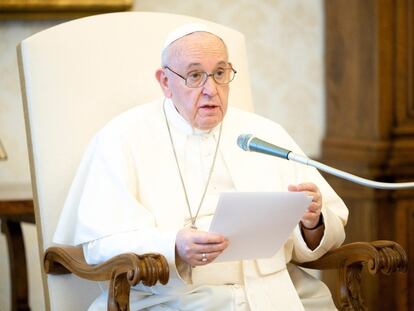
(353, 178)
(248, 142)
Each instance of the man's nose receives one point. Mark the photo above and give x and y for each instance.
(210, 87)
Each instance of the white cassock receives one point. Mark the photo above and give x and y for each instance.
(127, 197)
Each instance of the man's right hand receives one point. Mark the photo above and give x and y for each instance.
(198, 248)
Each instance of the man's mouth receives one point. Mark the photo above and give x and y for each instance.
(209, 106)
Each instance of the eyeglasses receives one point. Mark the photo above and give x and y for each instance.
(198, 78)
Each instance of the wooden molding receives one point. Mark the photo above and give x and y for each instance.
(370, 126)
(59, 9)
(63, 5)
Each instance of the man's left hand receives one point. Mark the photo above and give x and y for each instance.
(311, 217)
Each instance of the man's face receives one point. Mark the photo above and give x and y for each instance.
(203, 107)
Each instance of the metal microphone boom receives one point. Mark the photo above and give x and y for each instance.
(248, 142)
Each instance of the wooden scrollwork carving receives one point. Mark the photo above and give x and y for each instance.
(123, 271)
(129, 269)
(378, 256)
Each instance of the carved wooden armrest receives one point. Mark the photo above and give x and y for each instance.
(384, 256)
(123, 271)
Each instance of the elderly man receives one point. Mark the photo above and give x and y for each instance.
(150, 180)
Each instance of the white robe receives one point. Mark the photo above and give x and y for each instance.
(128, 184)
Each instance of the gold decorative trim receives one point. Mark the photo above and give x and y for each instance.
(39, 9)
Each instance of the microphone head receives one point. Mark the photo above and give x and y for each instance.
(243, 141)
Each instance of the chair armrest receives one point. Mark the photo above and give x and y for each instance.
(385, 256)
(123, 271)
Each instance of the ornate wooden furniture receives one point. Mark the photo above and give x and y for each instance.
(370, 127)
(127, 270)
(378, 256)
(16, 206)
(122, 271)
(77, 76)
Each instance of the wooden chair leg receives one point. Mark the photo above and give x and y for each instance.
(119, 289)
(17, 262)
(350, 288)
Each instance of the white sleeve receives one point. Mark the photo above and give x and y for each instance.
(149, 240)
(104, 198)
(333, 237)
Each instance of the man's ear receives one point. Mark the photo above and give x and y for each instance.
(164, 82)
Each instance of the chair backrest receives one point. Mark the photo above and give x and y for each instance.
(75, 77)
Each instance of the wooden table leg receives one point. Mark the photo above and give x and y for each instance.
(17, 262)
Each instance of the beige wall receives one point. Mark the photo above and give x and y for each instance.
(285, 46)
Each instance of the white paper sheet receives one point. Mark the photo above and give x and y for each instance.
(257, 224)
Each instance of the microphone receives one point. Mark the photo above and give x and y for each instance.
(248, 142)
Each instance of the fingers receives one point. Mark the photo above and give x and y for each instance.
(192, 244)
(207, 237)
(307, 186)
(206, 258)
(309, 189)
(304, 187)
(198, 257)
(314, 207)
(311, 217)
(293, 188)
(210, 248)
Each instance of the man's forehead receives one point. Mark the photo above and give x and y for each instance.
(197, 65)
(197, 50)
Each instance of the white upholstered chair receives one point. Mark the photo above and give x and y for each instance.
(76, 77)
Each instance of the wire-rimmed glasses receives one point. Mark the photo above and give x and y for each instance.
(198, 78)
